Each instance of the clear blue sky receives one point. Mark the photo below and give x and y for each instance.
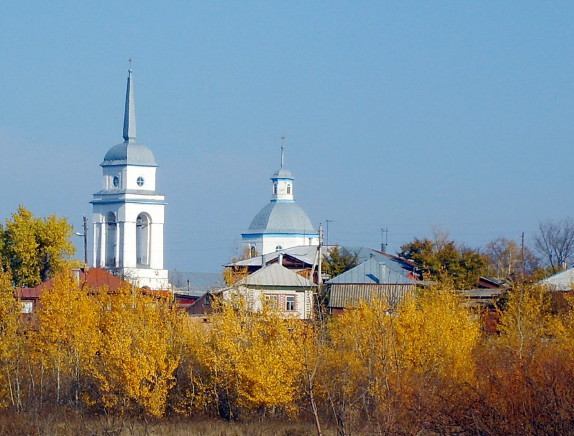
(403, 115)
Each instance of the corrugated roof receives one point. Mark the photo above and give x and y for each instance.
(350, 295)
(276, 275)
(304, 253)
(382, 270)
(561, 281)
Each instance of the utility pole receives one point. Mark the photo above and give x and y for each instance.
(319, 272)
(522, 256)
(327, 232)
(85, 235)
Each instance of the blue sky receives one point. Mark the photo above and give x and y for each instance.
(399, 115)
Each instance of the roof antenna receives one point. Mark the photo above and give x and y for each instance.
(282, 149)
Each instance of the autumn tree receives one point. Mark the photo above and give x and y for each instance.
(357, 364)
(67, 337)
(9, 316)
(555, 242)
(444, 260)
(35, 249)
(247, 360)
(133, 371)
(507, 259)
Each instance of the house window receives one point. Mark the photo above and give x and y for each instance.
(27, 306)
(290, 303)
(271, 301)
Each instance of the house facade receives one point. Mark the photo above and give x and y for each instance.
(282, 289)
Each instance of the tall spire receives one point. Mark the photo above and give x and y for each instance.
(282, 149)
(130, 111)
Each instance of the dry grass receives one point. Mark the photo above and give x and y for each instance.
(71, 424)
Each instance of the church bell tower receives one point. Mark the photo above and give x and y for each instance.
(128, 212)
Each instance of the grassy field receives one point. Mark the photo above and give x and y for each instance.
(73, 425)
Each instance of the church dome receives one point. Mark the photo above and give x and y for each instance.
(129, 153)
(282, 173)
(281, 217)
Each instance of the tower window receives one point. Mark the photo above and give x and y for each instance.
(140, 181)
(274, 188)
(116, 181)
(288, 189)
(111, 239)
(279, 247)
(143, 240)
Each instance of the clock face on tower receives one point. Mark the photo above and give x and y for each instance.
(116, 181)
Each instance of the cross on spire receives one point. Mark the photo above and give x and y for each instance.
(130, 111)
(282, 149)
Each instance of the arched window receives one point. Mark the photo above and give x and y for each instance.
(288, 189)
(252, 251)
(279, 247)
(111, 239)
(143, 222)
(274, 188)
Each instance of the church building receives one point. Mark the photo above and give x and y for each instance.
(128, 212)
(282, 223)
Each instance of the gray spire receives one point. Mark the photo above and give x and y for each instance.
(282, 149)
(130, 112)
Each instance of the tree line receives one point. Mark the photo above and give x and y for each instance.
(426, 365)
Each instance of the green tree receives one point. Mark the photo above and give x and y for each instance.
(443, 260)
(35, 249)
(338, 260)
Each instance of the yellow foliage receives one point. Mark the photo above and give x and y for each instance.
(527, 318)
(249, 359)
(9, 314)
(67, 335)
(137, 355)
(436, 332)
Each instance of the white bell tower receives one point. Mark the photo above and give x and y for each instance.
(128, 213)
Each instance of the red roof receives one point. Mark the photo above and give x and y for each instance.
(94, 278)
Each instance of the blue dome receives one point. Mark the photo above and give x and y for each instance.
(281, 217)
(129, 153)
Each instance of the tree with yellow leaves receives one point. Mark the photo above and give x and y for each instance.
(137, 356)
(9, 316)
(526, 320)
(358, 361)
(67, 336)
(249, 360)
(436, 332)
(35, 249)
